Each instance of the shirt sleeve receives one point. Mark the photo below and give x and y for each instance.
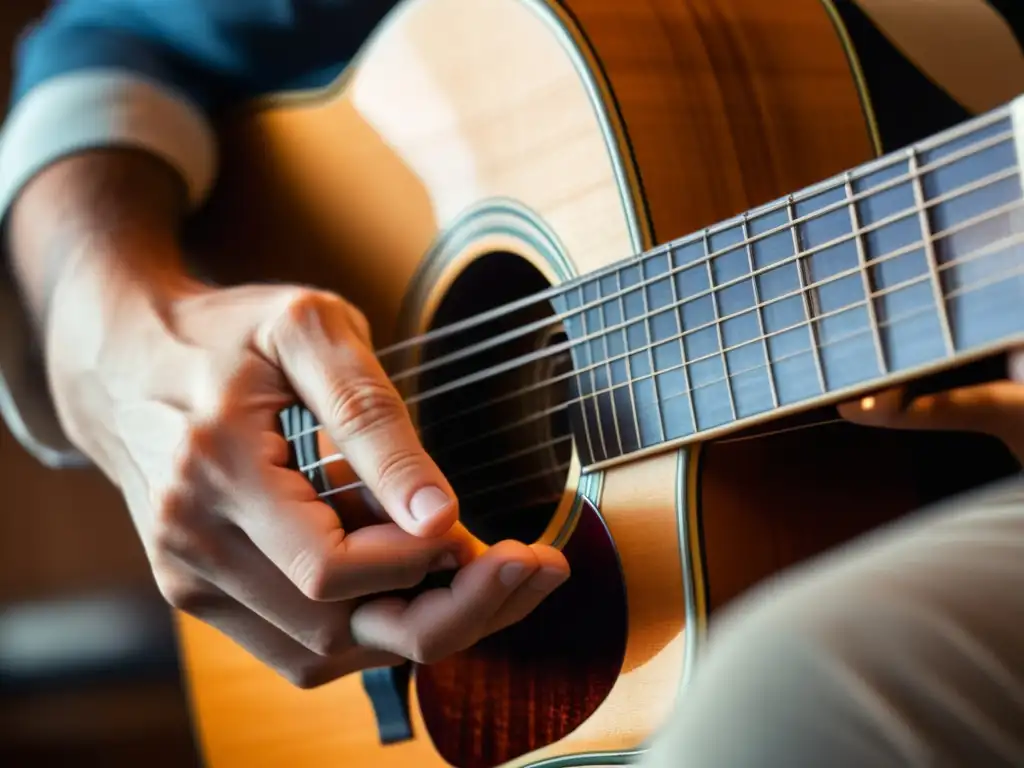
(152, 75)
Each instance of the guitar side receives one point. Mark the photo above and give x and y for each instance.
(571, 136)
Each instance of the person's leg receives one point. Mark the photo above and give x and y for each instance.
(905, 648)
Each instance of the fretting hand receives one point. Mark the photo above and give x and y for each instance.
(174, 388)
(995, 408)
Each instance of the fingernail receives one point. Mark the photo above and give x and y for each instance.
(446, 562)
(428, 502)
(547, 579)
(511, 574)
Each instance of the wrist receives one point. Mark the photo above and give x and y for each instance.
(107, 215)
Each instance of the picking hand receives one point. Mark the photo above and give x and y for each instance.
(995, 408)
(174, 391)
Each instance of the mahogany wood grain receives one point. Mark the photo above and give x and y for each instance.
(536, 682)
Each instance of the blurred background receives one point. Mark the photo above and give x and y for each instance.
(88, 671)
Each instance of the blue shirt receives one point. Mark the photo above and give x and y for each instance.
(210, 51)
(154, 73)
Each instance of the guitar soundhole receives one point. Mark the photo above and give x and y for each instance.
(491, 409)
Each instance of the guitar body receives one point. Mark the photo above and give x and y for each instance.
(477, 151)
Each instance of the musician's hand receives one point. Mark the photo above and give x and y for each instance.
(995, 408)
(174, 388)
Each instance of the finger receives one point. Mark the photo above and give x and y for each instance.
(552, 572)
(1015, 365)
(444, 621)
(358, 506)
(319, 345)
(303, 538)
(244, 574)
(274, 449)
(268, 644)
(976, 408)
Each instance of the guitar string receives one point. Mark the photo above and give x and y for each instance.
(561, 467)
(759, 306)
(757, 339)
(816, 348)
(337, 457)
(714, 290)
(872, 169)
(557, 318)
(522, 504)
(449, 419)
(568, 345)
(463, 497)
(760, 339)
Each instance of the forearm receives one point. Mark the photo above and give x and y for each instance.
(109, 216)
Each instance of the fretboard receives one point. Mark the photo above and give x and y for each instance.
(899, 267)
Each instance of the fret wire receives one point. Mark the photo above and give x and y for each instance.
(1017, 272)
(965, 224)
(593, 384)
(978, 285)
(862, 259)
(650, 351)
(894, 288)
(874, 166)
(718, 324)
(811, 317)
(558, 317)
(677, 304)
(973, 255)
(837, 182)
(903, 316)
(958, 227)
(760, 318)
(629, 365)
(611, 380)
(981, 183)
(929, 249)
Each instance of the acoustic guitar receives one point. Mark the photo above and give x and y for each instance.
(622, 258)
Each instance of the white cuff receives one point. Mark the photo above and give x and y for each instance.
(68, 114)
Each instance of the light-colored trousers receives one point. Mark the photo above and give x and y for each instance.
(904, 648)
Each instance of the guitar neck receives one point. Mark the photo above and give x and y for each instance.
(907, 265)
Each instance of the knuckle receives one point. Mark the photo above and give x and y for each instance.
(398, 464)
(410, 574)
(173, 523)
(426, 648)
(363, 406)
(310, 573)
(329, 639)
(183, 592)
(196, 455)
(306, 306)
(311, 310)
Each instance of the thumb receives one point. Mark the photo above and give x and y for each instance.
(319, 343)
